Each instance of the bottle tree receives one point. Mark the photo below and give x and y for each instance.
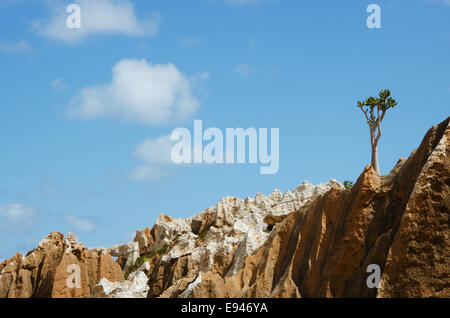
(374, 109)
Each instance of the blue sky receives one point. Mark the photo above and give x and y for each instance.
(74, 129)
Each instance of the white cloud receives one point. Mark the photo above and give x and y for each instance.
(189, 41)
(139, 91)
(200, 78)
(243, 70)
(198, 83)
(17, 218)
(82, 225)
(98, 17)
(155, 153)
(16, 211)
(58, 84)
(148, 173)
(15, 47)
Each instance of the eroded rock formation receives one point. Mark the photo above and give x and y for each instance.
(45, 271)
(316, 241)
(217, 239)
(321, 246)
(134, 287)
(399, 222)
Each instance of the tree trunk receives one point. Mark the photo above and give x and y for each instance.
(375, 158)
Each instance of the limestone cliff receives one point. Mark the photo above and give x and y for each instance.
(399, 221)
(316, 241)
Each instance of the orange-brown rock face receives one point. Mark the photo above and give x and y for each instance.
(418, 261)
(47, 271)
(316, 241)
(399, 222)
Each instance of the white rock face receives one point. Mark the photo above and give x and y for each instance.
(236, 228)
(218, 238)
(71, 243)
(182, 246)
(296, 199)
(188, 290)
(167, 229)
(128, 252)
(135, 287)
(143, 241)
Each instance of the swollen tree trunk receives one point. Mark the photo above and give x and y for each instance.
(374, 137)
(375, 123)
(374, 163)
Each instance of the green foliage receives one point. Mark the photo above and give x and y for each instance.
(348, 184)
(202, 235)
(139, 261)
(384, 101)
(372, 106)
(161, 251)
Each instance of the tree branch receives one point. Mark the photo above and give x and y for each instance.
(371, 115)
(379, 135)
(382, 115)
(378, 124)
(365, 114)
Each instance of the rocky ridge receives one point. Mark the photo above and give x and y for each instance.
(399, 222)
(218, 238)
(44, 271)
(316, 241)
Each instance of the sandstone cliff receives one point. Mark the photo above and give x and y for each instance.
(43, 272)
(316, 241)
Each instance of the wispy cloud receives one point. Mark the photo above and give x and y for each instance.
(139, 91)
(244, 70)
(17, 217)
(188, 42)
(80, 224)
(98, 17)
(16, 211)
(247, 71)
(58, 84)
(155, 154)
(155, 151)
(14, 47)
(148, 172)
